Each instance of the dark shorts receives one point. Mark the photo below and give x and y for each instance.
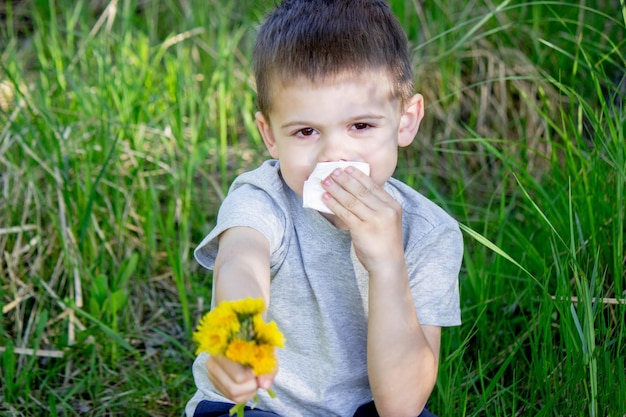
(218, 409)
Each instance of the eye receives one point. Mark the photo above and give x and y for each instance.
(361, 126)
(307, 131)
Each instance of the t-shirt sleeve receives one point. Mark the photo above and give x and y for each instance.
(433, 266)
(245, 206)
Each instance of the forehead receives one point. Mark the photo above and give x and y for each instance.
(376, 84)
(365, 76)
(336, 99)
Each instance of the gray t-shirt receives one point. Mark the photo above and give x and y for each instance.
(319, 290)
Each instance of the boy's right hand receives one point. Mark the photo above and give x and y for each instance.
(236, 382)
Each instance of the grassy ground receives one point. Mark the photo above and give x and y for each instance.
(123, 122)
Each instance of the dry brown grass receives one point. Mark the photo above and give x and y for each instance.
(501, 98)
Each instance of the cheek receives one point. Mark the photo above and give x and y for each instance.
(295, 175)
(383, 165)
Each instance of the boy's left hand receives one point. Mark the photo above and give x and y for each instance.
(372, 216)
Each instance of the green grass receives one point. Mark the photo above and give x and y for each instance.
(121, 129)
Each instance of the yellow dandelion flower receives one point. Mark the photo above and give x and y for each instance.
(222, 316)
(264, 361)
(247, 306)
(215, 331)
(213, 340)
(241, 351)
(267, 333)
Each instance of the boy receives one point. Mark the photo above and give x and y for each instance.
(360, 294)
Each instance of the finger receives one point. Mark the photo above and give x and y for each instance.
(234, 381)
(266, 381)
(336, 199)
(356, 196)
(365, 188)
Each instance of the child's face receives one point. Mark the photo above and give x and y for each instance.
(352, 118)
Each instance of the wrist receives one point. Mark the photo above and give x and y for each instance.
(387, 270)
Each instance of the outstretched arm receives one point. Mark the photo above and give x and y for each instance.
(241, 270)
(242, 265)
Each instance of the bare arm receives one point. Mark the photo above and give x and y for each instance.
(241, 270)
(402, 355)
(242, 265)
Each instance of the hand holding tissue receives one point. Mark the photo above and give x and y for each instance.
(313, 191)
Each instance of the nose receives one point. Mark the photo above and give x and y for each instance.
(334, 147)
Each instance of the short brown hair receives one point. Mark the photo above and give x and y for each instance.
(317, 39)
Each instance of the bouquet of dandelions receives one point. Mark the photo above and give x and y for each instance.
(237, 331)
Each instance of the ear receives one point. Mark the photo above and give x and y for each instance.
(267, 134)
(410, 120)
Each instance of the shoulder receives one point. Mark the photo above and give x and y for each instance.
(259, 192)
(257, 199)
(266, 178)
(418, 210)
(427, 228)
(259, 196)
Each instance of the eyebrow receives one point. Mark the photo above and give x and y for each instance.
(358, 117)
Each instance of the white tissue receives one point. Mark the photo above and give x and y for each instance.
(312, 191)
